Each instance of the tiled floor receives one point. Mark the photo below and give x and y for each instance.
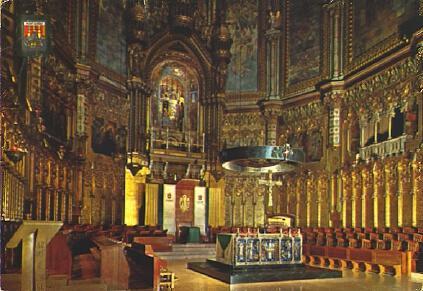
(354, 281)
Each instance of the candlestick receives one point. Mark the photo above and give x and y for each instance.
(204, 141)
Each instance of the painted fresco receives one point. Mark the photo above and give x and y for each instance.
(107, 139)
(111, 43)
(304, 40)
(371, 18)
(242, 18)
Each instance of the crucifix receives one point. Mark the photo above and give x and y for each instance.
(270, 183)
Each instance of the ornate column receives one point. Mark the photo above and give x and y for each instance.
(271, 110)
(367, 192)
(378, 195)
(301, 209)
(215, 103)
(346, 198)
(404, 190)
(322, 202)
(273, 51)
(334, 12)
(391, 200)
(356, 207)
(417, 166)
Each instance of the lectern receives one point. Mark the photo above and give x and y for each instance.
(35, 235)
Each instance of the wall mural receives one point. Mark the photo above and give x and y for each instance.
(111, 43)
(242, 18)
(304, 40)
(371, 16)
(107, 139)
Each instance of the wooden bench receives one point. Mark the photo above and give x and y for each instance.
(158, 243)
(359, 259)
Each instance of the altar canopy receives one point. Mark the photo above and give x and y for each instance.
(259, 249)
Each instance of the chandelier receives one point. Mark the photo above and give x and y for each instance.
(262, 159)
(259, 159)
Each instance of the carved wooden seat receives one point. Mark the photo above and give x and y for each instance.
(358, 230)
(375, 236)
(405, 236)
(362, 236)
(409, 230)
(354, 243)
(367, 244)
(342, 242)
(399, 245)
(417, 237)
(383, 244)
(331, 241)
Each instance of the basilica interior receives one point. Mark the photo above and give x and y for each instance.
(140, 136)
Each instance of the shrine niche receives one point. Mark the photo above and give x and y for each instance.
(175, 106)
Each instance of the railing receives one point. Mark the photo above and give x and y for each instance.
(385, 148)
(176, 140)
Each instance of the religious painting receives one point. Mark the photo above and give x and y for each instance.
(304, 40)
(242, 19)
(314, 146)
(111, 41)
(107, 139)
(371, 17)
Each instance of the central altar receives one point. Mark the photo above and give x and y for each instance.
(256, 257)
(259, 249)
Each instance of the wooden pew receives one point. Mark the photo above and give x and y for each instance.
(59, 256)
(158, 243)
(126, 266)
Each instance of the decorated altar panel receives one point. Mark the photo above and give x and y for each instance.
(262, 249)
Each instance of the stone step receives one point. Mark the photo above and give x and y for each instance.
(79, 287)
(194, 246)
(186, 257)
(187, 253)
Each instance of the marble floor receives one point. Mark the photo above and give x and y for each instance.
(188, 280)
(355, 281)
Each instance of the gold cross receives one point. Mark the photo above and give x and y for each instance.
(270, 183)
